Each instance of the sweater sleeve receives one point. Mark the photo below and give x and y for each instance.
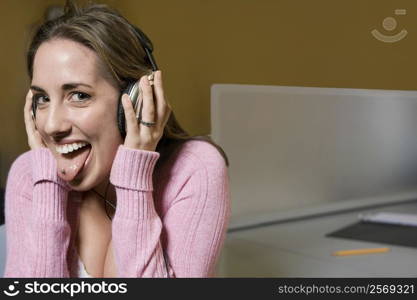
(37, 241)
(195, 223)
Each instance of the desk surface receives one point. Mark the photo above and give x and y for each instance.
(301, 249)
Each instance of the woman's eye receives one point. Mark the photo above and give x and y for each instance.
(39, 99)
(80, 97)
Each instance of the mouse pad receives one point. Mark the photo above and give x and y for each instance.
(379, 233)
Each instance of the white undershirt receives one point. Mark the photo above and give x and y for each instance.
(82, 272)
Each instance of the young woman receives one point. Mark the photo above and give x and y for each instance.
(90, 199)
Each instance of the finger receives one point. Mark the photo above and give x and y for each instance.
(29, 122)
(166, 117)
(159, 91)
(151, 78)
(131, 121)
(161, 102)
(39, 139)
(148, 109)
(32, 133)
(163, 106)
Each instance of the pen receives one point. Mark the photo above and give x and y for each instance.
(360, 251)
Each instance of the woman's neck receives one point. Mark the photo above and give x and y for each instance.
(102, 186)
(106, 190)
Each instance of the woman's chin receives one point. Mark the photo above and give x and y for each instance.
(79, 185)
(86, 183)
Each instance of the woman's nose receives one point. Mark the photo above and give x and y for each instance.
(57, 121)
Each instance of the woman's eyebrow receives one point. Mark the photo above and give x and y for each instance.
(65, 87)
(36, 88)
(73, 85)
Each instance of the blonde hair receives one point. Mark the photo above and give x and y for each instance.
(114, 40)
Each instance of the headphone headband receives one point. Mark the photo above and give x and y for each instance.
(147, 46)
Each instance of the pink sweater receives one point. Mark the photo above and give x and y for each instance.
(179, 204)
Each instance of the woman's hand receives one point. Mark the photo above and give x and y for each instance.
(34, 138)
(138, 135)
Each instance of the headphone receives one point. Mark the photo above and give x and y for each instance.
(132, 88)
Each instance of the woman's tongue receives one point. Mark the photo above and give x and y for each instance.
(70, 164)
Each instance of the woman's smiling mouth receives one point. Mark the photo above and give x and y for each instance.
(68, 148)
(71, 159)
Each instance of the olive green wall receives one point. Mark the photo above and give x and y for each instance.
(320, 43)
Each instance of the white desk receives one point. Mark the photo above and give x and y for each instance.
(300, 249)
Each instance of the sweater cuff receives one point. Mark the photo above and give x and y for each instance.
(50, 201)
(45, 168)
(133, 168)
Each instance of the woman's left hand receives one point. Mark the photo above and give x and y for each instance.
(155, 108)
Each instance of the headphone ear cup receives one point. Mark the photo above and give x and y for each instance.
(121, 120)
(34, 109)
(131, 90)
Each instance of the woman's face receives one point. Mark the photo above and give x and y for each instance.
(76, 105)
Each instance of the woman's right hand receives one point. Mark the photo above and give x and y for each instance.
(34, 138)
